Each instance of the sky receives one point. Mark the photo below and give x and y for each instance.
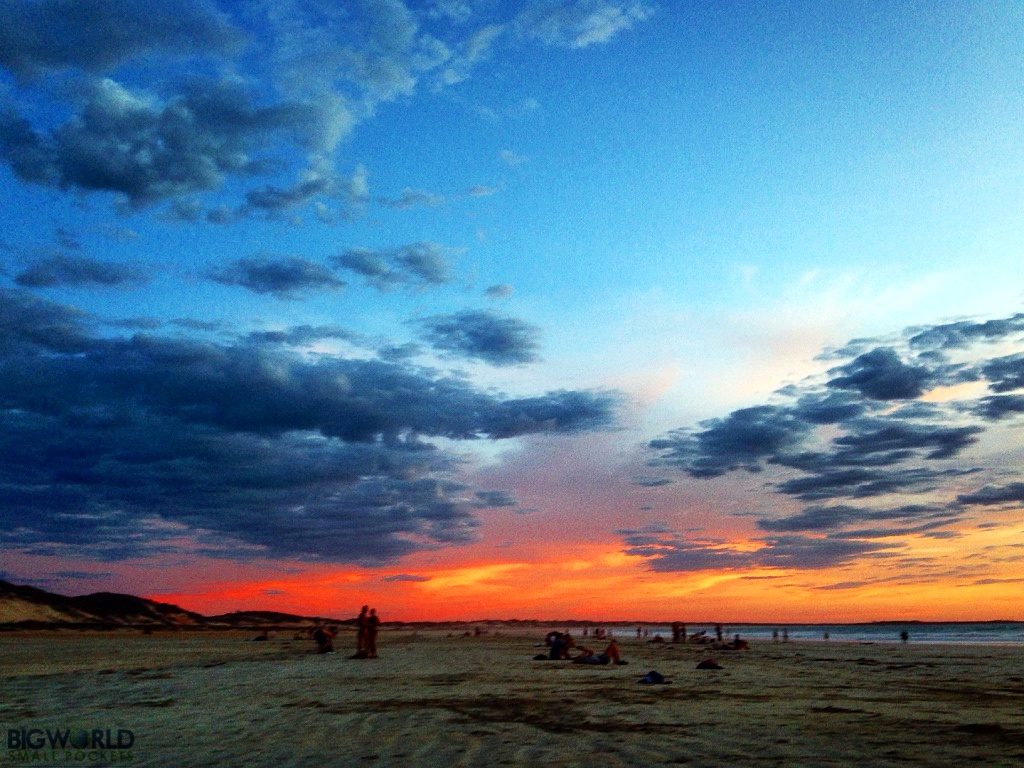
(560, 309)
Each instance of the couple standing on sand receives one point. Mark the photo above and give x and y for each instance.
(366, 633)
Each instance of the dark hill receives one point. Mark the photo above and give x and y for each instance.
(32, 608)
(271, 618)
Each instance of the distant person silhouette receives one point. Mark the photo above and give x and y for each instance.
(361, 632)
(372, 625)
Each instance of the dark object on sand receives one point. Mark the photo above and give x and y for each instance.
(653, 678)
(709, 664)
(324, 639)
(541, 657)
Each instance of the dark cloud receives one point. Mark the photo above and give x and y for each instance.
(1012, 493)
(805, 552)
(865, 482)
(130, 144)
(421, 263)
(116, 447)
(499, 291)
(34, 323)
(1005, 374)
(881, 375)
(482, 335)
(828, 408)
(398, 352)
(300, 335)
(652, 482)
(895, 438)
(61, 269)
(844, 585)
(97, 35)
(744, 439)
(668, 551)
(831, 518)
(276, 200)
(426, 262)
(373, 265)
(999, 406)
(961, 335)
(285, 277)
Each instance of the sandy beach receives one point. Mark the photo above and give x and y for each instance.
(199, 699)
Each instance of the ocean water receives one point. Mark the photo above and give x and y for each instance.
(974, 633)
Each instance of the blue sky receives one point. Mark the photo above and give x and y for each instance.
(572, 223)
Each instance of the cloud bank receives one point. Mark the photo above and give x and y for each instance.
(864, 449)
(121, 446)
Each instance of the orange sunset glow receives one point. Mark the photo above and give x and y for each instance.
(599, 583)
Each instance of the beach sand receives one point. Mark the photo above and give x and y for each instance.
(206, 698)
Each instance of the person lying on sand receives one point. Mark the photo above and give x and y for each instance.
(736, 644)
(609, 655)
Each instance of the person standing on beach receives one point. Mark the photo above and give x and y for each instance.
(361, 632)
(372, 624)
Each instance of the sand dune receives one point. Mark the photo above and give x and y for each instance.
(216, 699)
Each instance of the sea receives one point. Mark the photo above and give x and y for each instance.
(967, 633)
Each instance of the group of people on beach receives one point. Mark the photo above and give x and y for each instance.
(367, 626)
(561, 645)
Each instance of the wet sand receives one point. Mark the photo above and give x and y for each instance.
(203, 699)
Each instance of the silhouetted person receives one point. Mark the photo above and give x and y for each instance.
(372, 625)
(775, 635)
(361, 631)
(718, 632)
(904, 636)
(785, 635)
